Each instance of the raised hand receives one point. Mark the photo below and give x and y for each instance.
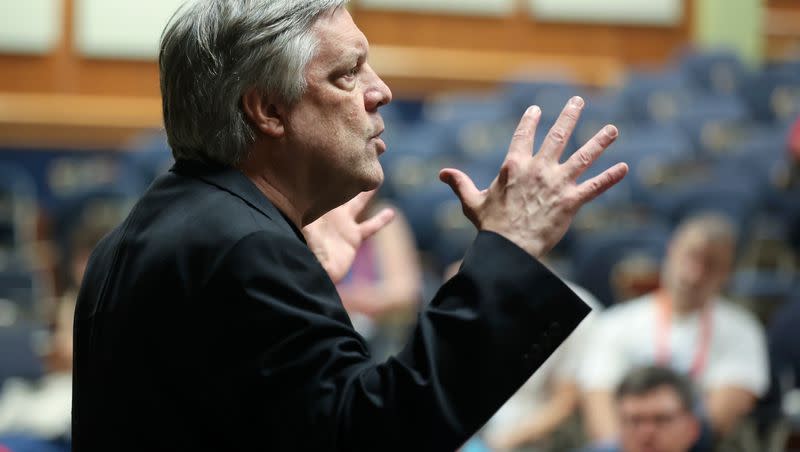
(534, 197)
(335, 237)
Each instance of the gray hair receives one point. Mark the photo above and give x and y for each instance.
(213, 51)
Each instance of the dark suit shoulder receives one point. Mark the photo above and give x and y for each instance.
(176, 236)
(275, 268)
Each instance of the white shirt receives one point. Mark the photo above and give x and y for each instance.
(627, 336)
(41, 408)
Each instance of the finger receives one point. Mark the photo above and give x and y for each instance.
(597, 185)
(462, 186)
(555, 141)
(377, 222)
(586, 155)
(522, 140)
(360, 201)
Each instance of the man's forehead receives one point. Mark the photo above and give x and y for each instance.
(340, 35)
(660, 396)
(699, 240)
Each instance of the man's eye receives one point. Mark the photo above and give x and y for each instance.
(352, 72)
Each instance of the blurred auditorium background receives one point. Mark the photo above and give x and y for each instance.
(706, 94)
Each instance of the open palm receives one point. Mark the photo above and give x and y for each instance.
(336, 236)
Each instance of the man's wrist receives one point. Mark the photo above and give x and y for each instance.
(534, 247)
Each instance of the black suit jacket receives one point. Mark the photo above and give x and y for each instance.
(204, 323)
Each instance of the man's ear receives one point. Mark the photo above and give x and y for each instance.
(263, 114)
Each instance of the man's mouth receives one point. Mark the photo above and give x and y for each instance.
(381, 143)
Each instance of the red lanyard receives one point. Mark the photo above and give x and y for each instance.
(663, 357)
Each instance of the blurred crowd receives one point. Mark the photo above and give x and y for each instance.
(690, 265)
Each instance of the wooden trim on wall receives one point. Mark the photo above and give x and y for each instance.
(520, 32)
(781, 29)
(93, 102)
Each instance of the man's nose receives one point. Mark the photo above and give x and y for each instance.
(378, 93)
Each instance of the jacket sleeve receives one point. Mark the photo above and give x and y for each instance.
(485, 332)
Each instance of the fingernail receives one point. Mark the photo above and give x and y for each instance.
(532, 110)
(611, 131)
(576, 101)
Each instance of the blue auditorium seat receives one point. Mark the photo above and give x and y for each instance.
(83, 218)
(550, 96)
(21, 287)
(461, 107)
(753, 283)
(652, 153)
(18, 207)
(414, 155)
(713, 122)
(714, 71)
(773, 95)
(597, 257)
(404, 110)
(20, 345)
(441, 230)
(656, 97)
(148, 157)
(604, 108)
(484, 140)
(736, 199)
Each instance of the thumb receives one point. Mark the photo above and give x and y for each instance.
(462, 186)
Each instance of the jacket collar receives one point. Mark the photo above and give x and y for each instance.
(234, 182)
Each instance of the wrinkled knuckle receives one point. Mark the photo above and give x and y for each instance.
(603, 140)
(570, 199)
(585, 159)
(511, 165)
(520, 134)
(572, 113)
(558, 135)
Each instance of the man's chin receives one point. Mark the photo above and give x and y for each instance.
(374, 179)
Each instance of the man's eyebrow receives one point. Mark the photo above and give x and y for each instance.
(351, 57)
(361, 54)
(361, 48)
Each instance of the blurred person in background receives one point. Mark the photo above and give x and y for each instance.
(209, 319)
(655, 408)
(687, 326)
(382, 290)
(35, 415)
(788, 182)
(537, 417)
(793, 148)
(783, 399)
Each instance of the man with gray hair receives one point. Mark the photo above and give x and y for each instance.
(209, 319)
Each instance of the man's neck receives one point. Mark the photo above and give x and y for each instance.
(295, 190)
(267, 166)
(278, 196)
